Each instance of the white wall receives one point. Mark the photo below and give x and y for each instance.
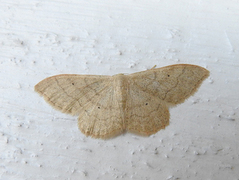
(43, 38)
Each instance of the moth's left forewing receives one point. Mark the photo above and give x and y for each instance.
(70, 93)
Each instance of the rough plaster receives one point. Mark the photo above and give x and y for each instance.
(43, 38)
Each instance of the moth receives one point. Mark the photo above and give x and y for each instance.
(109, 105)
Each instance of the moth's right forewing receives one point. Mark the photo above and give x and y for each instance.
(172, 84)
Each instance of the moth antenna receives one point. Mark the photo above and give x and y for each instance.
(153, 67)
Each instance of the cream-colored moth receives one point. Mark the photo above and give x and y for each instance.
(110, 105)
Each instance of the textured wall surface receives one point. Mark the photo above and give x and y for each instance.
(44, 38)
